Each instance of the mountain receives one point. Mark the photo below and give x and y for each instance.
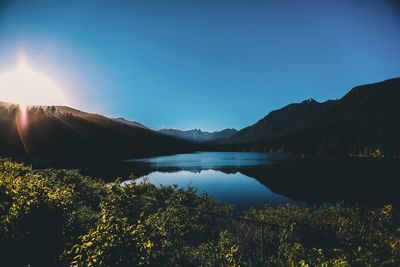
(198, 135)
(221, 135)
(366, 121)
(94, 117)
(62, 133)
(279, 121)
(130, 123)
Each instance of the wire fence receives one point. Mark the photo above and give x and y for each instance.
(248, 235)
(257, 241)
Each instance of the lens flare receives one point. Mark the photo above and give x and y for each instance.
(21, 121)
(27, 87)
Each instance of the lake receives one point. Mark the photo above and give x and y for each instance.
(217, 174)
(255, 179)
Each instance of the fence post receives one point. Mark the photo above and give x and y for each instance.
(262, 243)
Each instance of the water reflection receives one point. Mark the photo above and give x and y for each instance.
(212, 160)
(255, 179)
(233, 188)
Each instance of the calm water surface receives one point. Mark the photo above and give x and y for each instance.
(212, 160)
(256, 179)
(217, 174)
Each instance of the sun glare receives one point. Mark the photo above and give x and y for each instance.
(26, 87)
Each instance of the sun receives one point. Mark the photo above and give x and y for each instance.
(26, 87)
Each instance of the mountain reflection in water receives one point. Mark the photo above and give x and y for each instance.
(254, 179)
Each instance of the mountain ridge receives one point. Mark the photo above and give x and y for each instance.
(364, 120)
(64, 132)
(198, 135)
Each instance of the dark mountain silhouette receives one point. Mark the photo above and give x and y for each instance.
(278, 121)
(64, 133)
(198, 135)
(366, 121)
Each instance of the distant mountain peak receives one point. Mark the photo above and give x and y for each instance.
(309, 101)
(198, 135)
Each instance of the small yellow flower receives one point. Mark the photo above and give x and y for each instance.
(387, 210)
(149, 244)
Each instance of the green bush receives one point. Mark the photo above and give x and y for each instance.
(338, 235)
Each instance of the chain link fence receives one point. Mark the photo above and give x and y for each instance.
(248, 235)
(256, 241)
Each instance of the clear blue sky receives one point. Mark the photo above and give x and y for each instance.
(202, 64)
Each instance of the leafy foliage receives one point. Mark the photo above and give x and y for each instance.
(335, 236)
(61, 218)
